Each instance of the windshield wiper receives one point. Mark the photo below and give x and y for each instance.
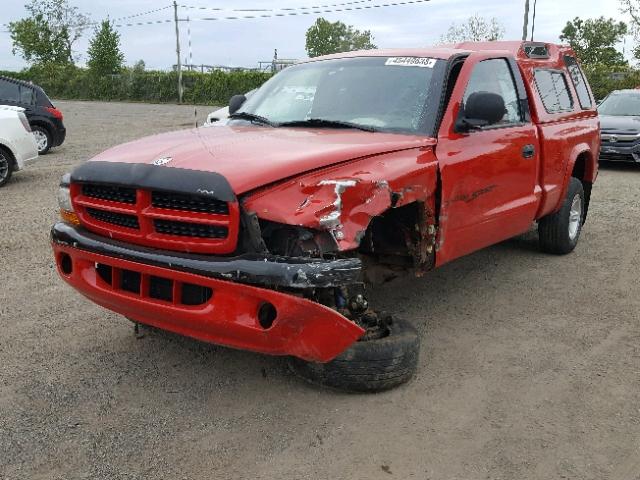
(325, 123)
(252, 118)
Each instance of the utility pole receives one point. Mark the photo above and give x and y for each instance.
(175, 16)
(533, 22)
(525, 26)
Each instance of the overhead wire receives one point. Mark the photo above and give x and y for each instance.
(315, 10)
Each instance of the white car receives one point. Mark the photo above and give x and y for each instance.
(220, 116)
(17, 145)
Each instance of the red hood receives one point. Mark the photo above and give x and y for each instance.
(250, 157)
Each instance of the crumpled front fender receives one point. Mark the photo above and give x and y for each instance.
(343, 199)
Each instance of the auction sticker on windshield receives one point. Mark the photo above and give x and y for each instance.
(411, 62)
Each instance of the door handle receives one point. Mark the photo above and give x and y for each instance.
(528, 151)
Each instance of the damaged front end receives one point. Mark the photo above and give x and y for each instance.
(303, 250)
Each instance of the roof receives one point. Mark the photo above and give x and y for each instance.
(19, 82)
(447, 51)
(628, 90)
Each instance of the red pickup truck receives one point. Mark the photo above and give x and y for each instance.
(339, 172)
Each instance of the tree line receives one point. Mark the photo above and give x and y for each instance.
(46, 38)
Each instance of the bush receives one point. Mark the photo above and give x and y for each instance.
(72, 83)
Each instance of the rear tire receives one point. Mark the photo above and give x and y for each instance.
(6, 167)
(368, 365)
(43, 139)
(559, 232)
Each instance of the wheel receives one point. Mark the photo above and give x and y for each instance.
(43, 139)
(369, 365)
(559, 232)
(6, 167)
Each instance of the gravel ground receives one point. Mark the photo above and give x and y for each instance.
(530, 363)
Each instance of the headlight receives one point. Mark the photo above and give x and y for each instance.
(64, 201)
(64, 195)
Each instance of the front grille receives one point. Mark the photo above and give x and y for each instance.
(159, 219)
(113, 218)
(617, 157)
(109, 192)
(192, 203)
(186, 229)
(153, 287)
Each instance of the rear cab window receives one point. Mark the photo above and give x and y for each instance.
(577, 77)
(553, 90)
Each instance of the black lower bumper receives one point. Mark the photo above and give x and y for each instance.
(59, 136)
(254, 269)
(616, 153)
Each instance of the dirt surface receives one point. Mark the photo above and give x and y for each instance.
(530, 363)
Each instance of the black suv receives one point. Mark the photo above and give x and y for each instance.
(44, 118)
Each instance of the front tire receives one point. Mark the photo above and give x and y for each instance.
(6, 167)
(559, 232)
(368, 365)
(43, 139)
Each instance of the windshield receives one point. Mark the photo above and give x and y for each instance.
(621, 104)
(390, 94)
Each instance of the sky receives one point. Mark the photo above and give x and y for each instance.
(246, 42)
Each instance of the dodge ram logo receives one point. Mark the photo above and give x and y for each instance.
(161, 161)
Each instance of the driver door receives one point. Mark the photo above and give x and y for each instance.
(489, 187)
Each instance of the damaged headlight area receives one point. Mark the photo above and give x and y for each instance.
(64, 201)
(295, 241)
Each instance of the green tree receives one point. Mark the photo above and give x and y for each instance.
(47, 35)
(139, 66)
(594, 40)
(475, 29)
(325, 37)
(632, 9)
(105, 56)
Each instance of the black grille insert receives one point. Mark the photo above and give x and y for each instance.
(109, 192)
(130, 281)
(120, 219)
(195, 294)
(161, 288)
(187, 229)
(191, 203)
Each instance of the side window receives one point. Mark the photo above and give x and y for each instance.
(495, 76)
(553, 91)
(9, 91)
(579, 82)
(26, 95)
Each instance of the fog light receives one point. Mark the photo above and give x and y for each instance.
(267, 314)
(66, 265)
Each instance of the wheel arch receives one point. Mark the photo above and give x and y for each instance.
(6, 149)
(582, 165)
(39, 122)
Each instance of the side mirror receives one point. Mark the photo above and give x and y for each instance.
(235, 103)
(481, 110)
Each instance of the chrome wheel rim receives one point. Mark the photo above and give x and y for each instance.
(41, 139)
(4, 167)
(575, 217)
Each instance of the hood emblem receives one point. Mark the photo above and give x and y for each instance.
(161, 161)
(613, 139)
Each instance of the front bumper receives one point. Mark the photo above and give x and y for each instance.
(620, 152)
(231, 315)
